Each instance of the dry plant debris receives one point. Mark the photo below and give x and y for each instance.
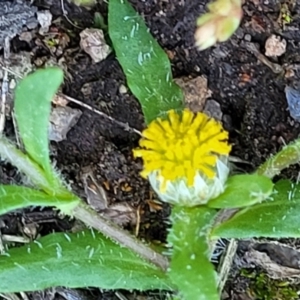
(93, 43)
(120, 213)
(195, 91)
(275, 46)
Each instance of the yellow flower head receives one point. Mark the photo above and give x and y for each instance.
(182, 145)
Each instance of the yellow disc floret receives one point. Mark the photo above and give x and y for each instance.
(183, 145)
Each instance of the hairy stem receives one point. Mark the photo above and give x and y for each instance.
(51, 185)
(25, 165)
(289, 155)
(190, 268)
(91, 218)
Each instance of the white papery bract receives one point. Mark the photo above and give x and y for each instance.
(178, 192)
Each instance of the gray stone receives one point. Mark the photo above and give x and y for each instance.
(14, 16)
(293, 99)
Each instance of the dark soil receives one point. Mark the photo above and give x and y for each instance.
(251, 96)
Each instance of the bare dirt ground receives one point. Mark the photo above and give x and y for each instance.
(248, 86)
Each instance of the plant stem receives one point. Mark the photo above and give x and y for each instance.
(190, 268)
(10, 153)
(91, 218)
(289, 155)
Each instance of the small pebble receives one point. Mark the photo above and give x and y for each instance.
(122, 89)
(275, 46)
(62, 119)
(44, 18)
(213, 109)
(247, 37)
(197, 68)
(12, 84)
(239, 33)
(227, 122)
(92, 42)
(293, 99)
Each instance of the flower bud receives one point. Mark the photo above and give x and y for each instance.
(219, 23)
(185, 158)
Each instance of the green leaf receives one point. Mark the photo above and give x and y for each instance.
(243, 190)
(14, 197)
(85, 259)
(33, 98)
(190, 268)
(288, 155)
(145, 64)
(277, 218)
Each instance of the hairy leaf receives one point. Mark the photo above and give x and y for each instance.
(190, 268)
(243, 190)
(14, 197)
(276, 218)
(288, 155)
(33, 98)
(145, 64)
(85, 259)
